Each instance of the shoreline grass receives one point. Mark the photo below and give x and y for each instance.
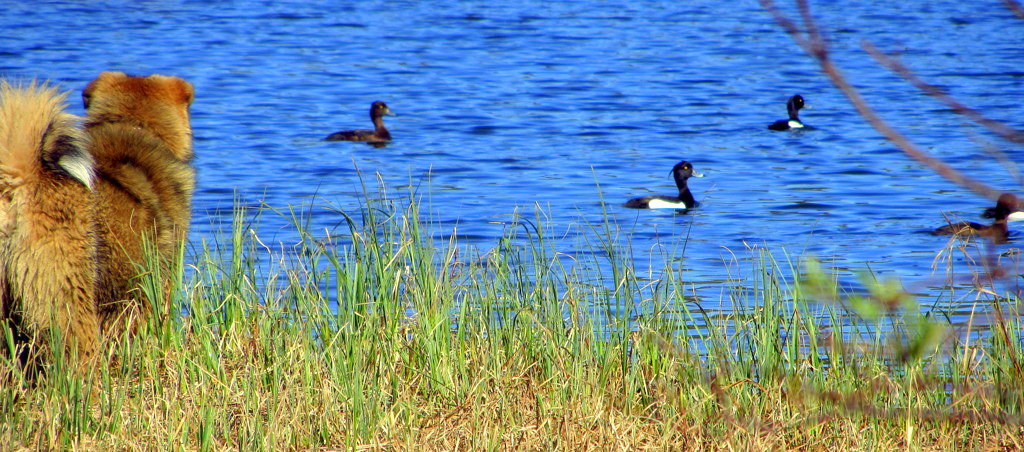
(427, 349)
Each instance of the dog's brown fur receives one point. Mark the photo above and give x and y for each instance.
(48, 249)
(142, 143)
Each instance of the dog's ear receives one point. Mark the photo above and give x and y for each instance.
(105, 78)
(87, 92)
(184, 92)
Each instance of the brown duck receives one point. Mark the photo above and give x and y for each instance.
(379, 134)
(997, 230)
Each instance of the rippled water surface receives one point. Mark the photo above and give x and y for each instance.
(504, 106)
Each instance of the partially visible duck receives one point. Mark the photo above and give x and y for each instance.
(997, 230)
(380, 133)
(793, 106)
(681, 172)
(1015, 214)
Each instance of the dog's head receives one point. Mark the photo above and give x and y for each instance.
(158, 103)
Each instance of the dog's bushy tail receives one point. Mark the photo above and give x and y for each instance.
(47, 237)
(37, 136)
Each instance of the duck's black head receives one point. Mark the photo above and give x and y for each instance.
(794, 104)
(991, 212)
(378, 109)
(1006, 204)
(682, 171)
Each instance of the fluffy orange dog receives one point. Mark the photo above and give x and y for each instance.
(79, 212)
(141, 140)
(48, 268)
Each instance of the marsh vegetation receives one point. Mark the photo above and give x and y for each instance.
(386, 338)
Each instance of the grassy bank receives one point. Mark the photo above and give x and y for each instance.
(430, 349)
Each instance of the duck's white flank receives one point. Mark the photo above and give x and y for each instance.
(662, 204)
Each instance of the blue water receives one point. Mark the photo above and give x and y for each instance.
(505, 107)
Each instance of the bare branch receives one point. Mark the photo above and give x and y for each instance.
(1003, 159)
(814, 44)
(1015, 7)
(818, 46)
(786, 24)
(1006, 132)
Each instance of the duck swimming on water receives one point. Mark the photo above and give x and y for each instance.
(1015, 214)
(793, 106)
(680, 172)
(378, 135)
(997, 230)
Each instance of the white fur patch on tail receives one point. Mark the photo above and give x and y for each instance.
(30, 111)
(79, 165)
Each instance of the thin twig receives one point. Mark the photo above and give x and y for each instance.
(1015, 7)
(1005, 160)
(1008, 133)
(814, 45)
